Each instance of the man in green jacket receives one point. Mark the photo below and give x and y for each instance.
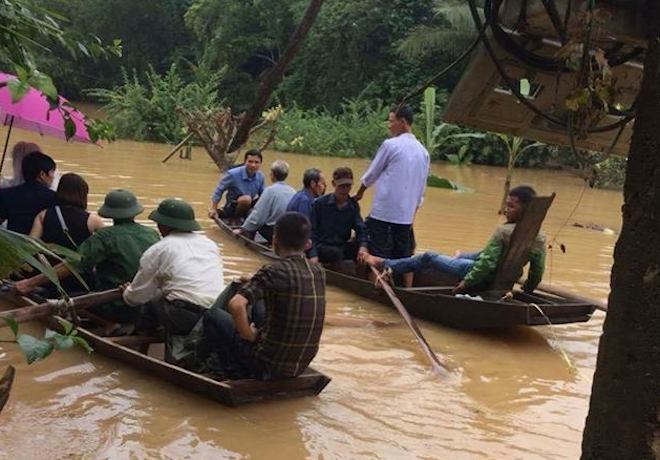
(112, 254)
(476, 270)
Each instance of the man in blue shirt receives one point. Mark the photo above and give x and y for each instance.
(313, 187)
(244, 185)
(19, 205)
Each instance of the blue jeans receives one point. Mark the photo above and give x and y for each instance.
(458, 266)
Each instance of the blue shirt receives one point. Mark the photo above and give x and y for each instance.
(302, 202)
(237, 182)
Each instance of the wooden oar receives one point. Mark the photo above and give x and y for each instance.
(5, 385)
(564, 293)
(437, 366)
(48, 308)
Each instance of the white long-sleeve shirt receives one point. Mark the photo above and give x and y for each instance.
(399, 170)
(182, 266)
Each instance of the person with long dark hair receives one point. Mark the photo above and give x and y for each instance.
(68, 223)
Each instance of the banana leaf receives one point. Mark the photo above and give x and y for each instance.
(441, 182)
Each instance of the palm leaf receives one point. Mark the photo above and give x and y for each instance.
(16, 250)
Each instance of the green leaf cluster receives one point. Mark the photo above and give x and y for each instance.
(36, 349)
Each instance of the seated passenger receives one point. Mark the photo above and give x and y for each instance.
(111, 255)
(286, 339)
(181, 275)
(18, 152)
(313, 187)
(243, 185)
(68, 223)
(477, 270)
(334, 217)
(271, 205)
(19, 205)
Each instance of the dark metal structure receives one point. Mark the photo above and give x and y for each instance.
(520, 48)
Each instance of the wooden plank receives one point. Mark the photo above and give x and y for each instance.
(521, 242)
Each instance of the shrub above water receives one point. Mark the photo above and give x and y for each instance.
(147, 111)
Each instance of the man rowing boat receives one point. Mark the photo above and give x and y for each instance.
(477, 269)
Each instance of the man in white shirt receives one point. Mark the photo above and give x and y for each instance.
(399, 170)
(181, 275)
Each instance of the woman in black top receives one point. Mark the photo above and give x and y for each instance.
(68, 224)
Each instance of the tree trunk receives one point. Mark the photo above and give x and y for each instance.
(624, 412)
(274, 76)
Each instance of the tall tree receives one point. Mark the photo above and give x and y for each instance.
(624, 413)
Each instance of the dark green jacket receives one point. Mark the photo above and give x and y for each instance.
(484, 268)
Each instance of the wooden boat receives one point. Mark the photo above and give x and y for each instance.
(437, 304)
(138, 352)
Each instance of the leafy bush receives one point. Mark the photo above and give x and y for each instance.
(355, 132)
(609, 174)
(147, 111)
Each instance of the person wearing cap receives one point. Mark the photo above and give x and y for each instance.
(271, 205)
(181, 275)
(334, 217)
(112, 254)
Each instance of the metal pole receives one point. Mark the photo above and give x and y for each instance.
(4, 151)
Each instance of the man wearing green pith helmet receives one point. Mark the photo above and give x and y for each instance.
(112, 254)
(181, 275)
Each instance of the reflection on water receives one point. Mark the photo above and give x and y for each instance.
(510, 395)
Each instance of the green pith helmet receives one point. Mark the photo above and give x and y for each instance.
(176, 214)
(120, 204)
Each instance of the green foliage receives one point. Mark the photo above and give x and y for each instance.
(609, 173)
(36, 349)
(351, 51)
(148, 112)
(356, 131)
(150, 32)
(16, 250)
(246, 38)
(450, 33)
(441, 182)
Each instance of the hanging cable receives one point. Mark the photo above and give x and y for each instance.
(513, 86)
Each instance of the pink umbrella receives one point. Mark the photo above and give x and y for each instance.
(33, 112)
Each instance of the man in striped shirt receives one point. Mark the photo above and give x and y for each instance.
(280, 336)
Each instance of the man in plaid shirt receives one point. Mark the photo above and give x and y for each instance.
(280, 336)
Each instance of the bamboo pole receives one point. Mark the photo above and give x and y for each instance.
(177, 148)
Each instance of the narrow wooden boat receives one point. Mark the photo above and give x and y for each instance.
(139, 352)
(437, 304)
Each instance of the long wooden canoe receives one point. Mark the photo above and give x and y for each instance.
(134, 351)
(437, 304)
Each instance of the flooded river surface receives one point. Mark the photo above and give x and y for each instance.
(510, 395)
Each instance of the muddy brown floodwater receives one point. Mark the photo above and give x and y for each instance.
(510, 395)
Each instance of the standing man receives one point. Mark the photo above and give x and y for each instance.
(271, 205)
(313, 187)
(243, 185)
(399, 170)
